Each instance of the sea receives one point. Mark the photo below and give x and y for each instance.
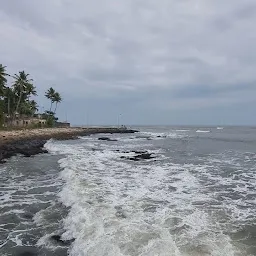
(196, 196)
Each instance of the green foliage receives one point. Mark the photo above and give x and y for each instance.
(50, 122)
(1, 113)
(3, 79)
(15, 100)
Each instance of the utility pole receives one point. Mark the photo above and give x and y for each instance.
(118, 120)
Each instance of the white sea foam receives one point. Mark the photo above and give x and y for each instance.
(121, 208)
(22, 191)
(162, 135)
(203, 131)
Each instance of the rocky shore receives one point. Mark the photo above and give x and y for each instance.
(31, 142)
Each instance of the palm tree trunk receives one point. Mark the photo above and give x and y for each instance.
(51, 107)
(18, 104)
(55, 108)
(8, 106)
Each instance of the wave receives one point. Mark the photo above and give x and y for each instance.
(161, 135)
(220, 128)
(121, 208)
(202, 131)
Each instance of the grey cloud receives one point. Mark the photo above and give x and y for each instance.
(110, 48)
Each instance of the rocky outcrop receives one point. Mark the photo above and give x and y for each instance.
(29, 143)
(26, 148)
(139, 155)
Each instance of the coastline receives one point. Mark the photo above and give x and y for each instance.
(31, 141)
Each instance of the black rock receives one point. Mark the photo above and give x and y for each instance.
(139, 152)
(26, 148)
(134, 159)
(57, 238)
(106, 139)
(143, 156)
(27, 215)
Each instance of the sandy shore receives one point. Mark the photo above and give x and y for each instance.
(31, 141)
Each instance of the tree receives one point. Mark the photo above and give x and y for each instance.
(50, 96)
(9, 99)
(3, 79)
(30, 90)
(3, 82)
(17, 98)
(33, 107)
(57, 99)
(21, 85)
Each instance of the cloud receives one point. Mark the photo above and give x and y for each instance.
(139, 49)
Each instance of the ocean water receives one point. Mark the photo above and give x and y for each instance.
(196, 197)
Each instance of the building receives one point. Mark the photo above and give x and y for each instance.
(62, 124)
(26, 122)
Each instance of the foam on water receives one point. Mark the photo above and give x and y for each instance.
(121, 208)
(202, 131)
(162, 135)
(25, 189)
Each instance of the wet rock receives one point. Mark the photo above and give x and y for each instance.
(106, 139)
(140, 155)
(172, 189)
(27, 215)
(143, 156)
(139, 152)
(134, 159)
(24, 147)
(57, 239)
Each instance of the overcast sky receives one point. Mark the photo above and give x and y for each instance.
(152, 61)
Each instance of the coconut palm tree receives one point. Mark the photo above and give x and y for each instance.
(3, 82)
(57, 99)
(9, 98)
(3, 79)
(30, 90)
(50, 96)
(33, 107)
(20, 86)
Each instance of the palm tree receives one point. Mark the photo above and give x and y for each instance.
(3, 79)
(57, 99)
(30, 90)
(9, 96)
(22, 82)
(3, 82)
(33, 107)
(50, 95)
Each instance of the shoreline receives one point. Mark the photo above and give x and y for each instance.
(31, 142)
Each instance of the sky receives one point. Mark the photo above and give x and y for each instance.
(144, 62)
